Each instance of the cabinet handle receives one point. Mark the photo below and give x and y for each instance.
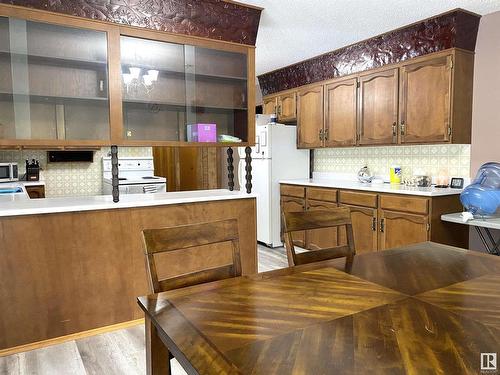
(325, 134)
(374, 224)
(394, 130)
(279, 109)
(382, 225)
(321, 135)
(403, 127)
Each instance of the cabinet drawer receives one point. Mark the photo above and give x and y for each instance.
(320, 205)
(358, 199)
(404, 204)
(329, 195)
(293, 191)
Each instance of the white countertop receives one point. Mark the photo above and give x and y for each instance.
(104, 202)
(33, 183)
(378, 188)
(493, 223)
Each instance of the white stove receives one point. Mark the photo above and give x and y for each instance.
(135, 176)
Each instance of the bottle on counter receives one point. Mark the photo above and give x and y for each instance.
(395, 174)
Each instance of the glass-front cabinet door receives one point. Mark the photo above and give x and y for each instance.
(183, 93)
(53, 82)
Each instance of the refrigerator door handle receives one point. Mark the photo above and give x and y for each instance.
(257, 144)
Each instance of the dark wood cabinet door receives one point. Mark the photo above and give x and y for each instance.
(321, 238)
(292, 204)
(364, 226)
(399, 229)
(269, 106)
(378, 107)
(426, 101)
(340, 113)
(287, 107)
(310, 117)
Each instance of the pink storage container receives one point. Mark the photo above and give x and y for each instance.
(202, 133)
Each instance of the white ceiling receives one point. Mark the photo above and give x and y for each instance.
(294, 30)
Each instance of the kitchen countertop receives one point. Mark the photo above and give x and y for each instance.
(32, 183)
(104, 202)
(376, 188)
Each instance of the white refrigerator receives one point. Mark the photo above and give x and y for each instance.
(274, 157)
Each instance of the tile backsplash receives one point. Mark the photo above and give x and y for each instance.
(70, 179)
(433, 160)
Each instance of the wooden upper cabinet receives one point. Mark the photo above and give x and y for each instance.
(53, 83)
(310, 117)
(378, 107)
(72, 82)
(287, 107)
(426, 97)
(340, 113)
(270, 105)
(169, 86)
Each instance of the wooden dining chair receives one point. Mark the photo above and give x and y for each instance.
(183, 237)
(311, 220)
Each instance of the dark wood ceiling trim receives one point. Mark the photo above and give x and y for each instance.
(213, 19)
(457, 28)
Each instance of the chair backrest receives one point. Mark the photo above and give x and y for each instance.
(162, 240)
(318, 219)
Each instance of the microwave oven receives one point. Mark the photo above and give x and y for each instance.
(8, 172)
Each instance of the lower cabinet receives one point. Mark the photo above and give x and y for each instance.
(294, 204)
(321, 238)
(398, 229)
(380, 221)
(364, 227)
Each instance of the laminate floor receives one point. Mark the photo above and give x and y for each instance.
(119, 352)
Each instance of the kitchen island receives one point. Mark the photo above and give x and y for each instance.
(73, 265)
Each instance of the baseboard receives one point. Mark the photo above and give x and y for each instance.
(70, 337)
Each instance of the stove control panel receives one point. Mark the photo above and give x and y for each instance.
(129, 164)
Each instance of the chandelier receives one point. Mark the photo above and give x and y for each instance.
(136, 79)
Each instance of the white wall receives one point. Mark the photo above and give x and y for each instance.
(486, 102)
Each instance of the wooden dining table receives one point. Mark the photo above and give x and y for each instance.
(421, 309)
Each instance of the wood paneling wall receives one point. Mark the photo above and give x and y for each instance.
(69, 272)
(191, 168)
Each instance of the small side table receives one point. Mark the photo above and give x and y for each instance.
(483, 227)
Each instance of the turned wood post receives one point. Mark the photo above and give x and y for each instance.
(230, 169)
(114, 173)
(248, 169)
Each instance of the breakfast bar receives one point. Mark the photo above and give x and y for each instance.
(71, 265)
